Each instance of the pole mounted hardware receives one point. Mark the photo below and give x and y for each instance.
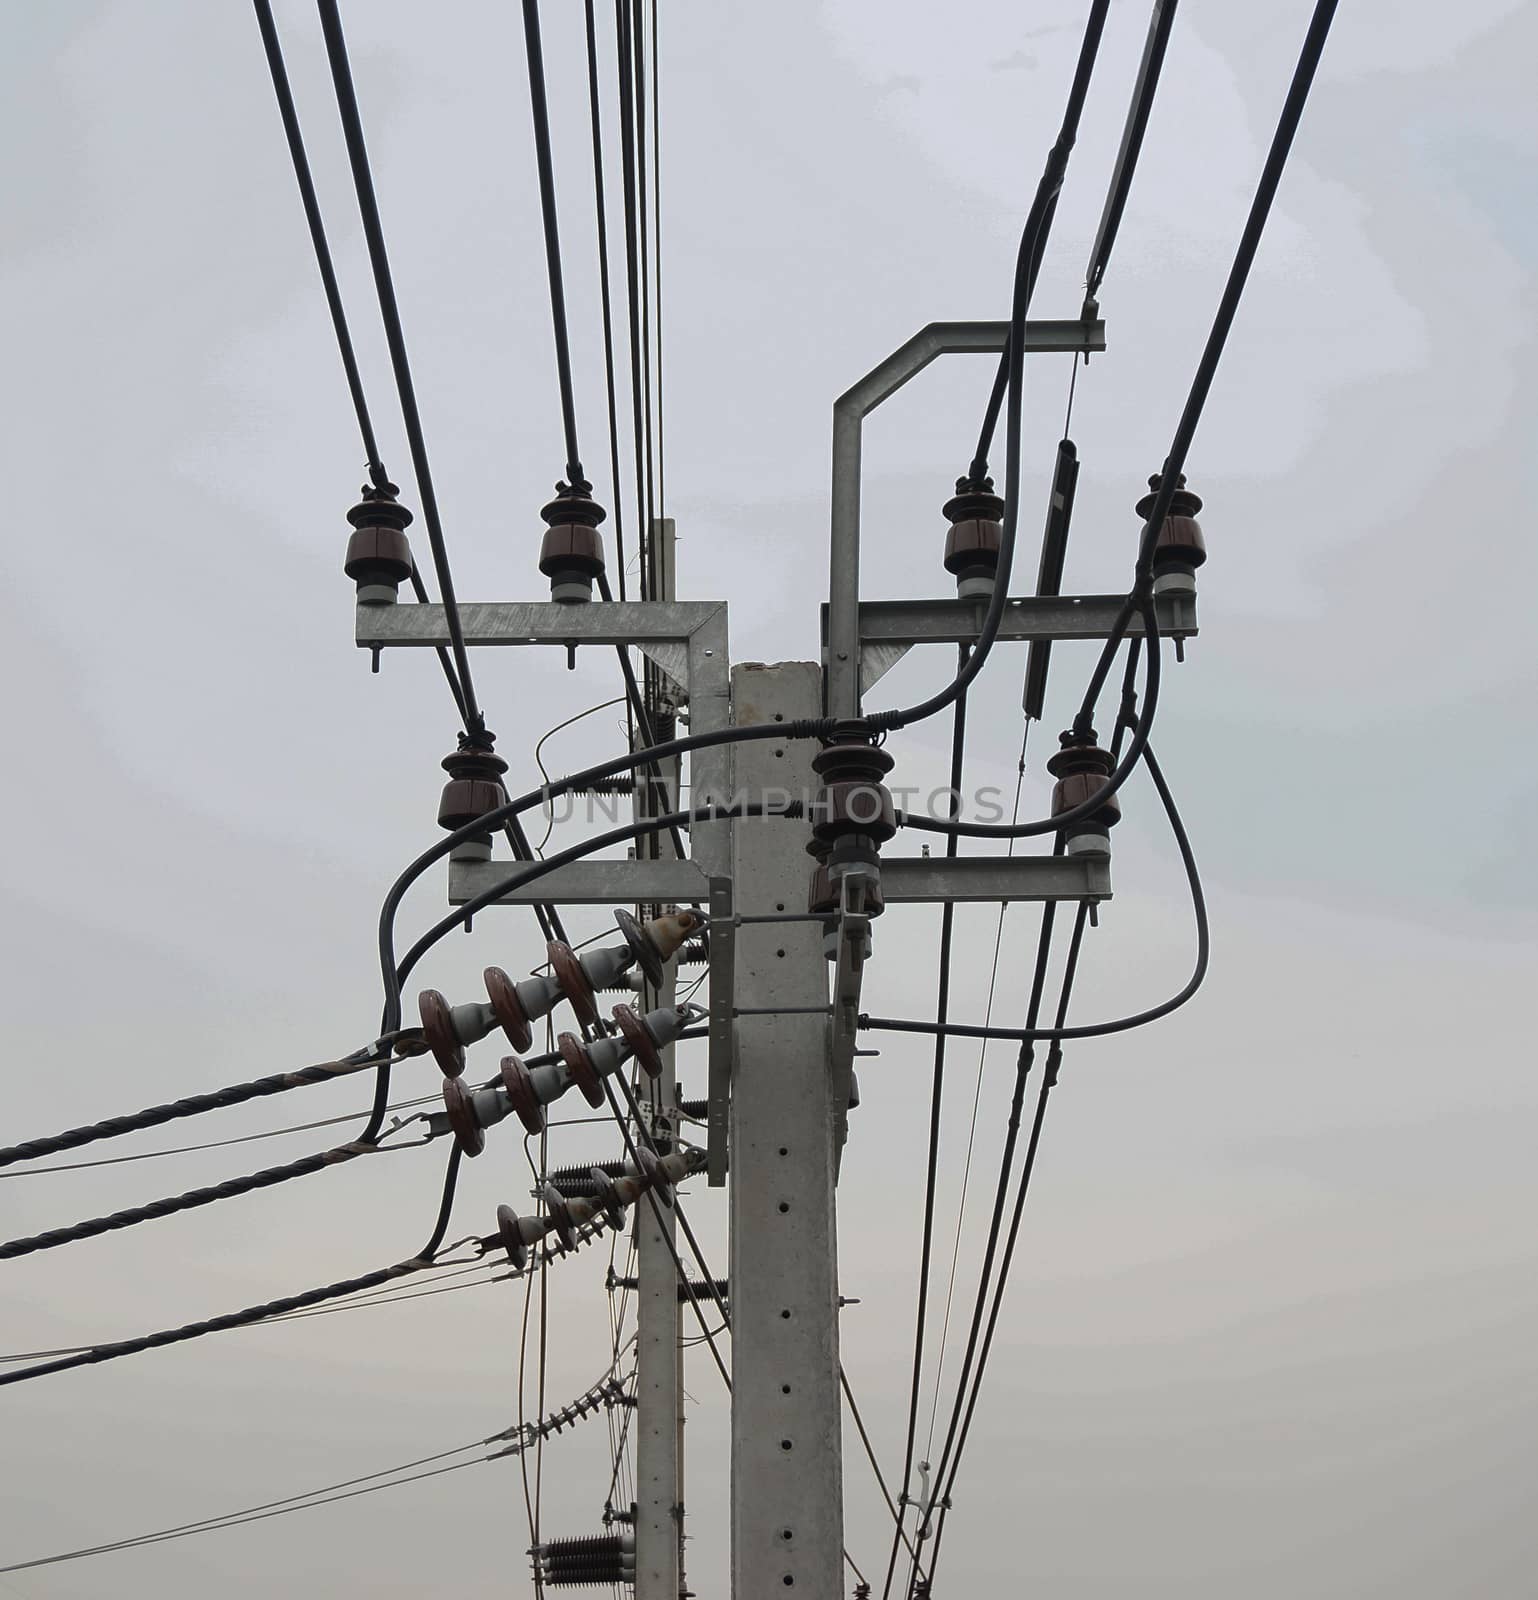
(516, 1006)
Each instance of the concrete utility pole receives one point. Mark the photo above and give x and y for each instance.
(659, 1420)
(781, 1030)
(787, 1471)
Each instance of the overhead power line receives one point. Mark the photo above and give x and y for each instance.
(379, 261)
(196, 1104)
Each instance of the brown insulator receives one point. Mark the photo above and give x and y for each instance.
(438, 1029)
(520, 1093)
(379, 553)
(469, 1135)
(475, 787)
(571, 554)
(1179, 548)
(584, 1073)
(976, 534)
(853, 802)
(1081, 768)
(575, 983)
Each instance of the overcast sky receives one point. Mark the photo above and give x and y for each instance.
(1271, 1326)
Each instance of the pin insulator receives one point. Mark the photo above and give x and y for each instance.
(511, 1237)
(853, 802)
(475, 787)
(571, 553)
(562, 1224)
(574, 1053)
(1081, 768)
(575, 983)
(635, 1033)
(525, 1102)
(976, 535)
(1179, 548)
(512, 1015)
(469, 1135)
(378, 553)
(606, 1197)
(439, 1031)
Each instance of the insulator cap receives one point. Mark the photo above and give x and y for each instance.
(571, 553)
(379, 553)
(976, 535)
(469, 1135)
(1081, 768)
(1179, 543)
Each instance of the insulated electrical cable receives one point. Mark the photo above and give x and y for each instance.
(378, 476)
(534, 51)
(213, 1144)
(373, 230)
(1012, 1130)
(259, 1313)
(1096, 1030)
(936, 1097)
(945, 1484)
(595, 116)
(154, 1210)
(1037, 222)
(1143, 92)
(1222, 322)
(214, 1100)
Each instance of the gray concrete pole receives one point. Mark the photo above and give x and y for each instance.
(659, 1374)
(787, 1473)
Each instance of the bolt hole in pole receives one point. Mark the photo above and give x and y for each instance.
(784, 1207)
(785, 1444)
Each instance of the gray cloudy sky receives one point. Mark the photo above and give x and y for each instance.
(1272, 1323)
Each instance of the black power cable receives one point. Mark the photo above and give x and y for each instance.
(1012, 1131)
(373, 232)
(378, 476)
(1217, 337)
(595, 114)
(1038, 221)
(229, 1189)
(1143, 92)
(259, 1313)
(936, 1097)
(534, 50)
(193, 1105)
(945, 1484)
